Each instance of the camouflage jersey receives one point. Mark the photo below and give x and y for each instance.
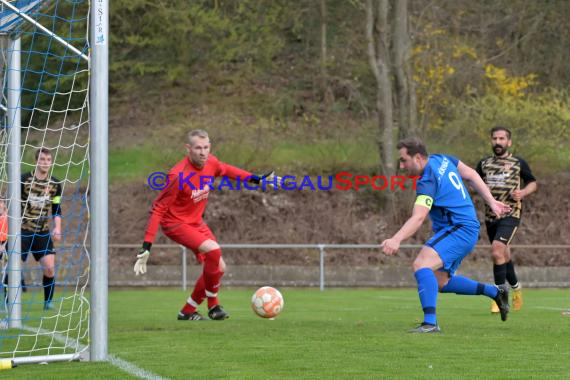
(503, 175)
(38, 197)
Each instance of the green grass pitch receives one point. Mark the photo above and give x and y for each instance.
(335, 334)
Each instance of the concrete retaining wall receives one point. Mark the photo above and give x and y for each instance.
(335, 276)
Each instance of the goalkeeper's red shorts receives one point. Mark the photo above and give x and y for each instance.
(190, 236)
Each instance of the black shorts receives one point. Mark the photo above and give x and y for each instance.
(502, 230)
(38, 244)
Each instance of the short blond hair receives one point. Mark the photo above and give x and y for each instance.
(197, 133)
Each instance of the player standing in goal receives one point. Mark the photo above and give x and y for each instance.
(41, 193)
(504, 173)
(441, 193)
(179, 208)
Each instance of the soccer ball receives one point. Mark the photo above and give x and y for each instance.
(267, 302)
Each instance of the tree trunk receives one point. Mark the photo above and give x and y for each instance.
(405, 88)
(323, 37)
(377, 36)
(324, 83)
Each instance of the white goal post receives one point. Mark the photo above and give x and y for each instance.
(55, 97)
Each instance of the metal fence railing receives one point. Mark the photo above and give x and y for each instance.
(320, 247)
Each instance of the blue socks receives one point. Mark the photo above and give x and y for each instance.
(466, 286)
(427, 290)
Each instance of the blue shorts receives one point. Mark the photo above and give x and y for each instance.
(452, 244)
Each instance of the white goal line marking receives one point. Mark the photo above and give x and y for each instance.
(123, 365)
(132, 369)
(550, 308)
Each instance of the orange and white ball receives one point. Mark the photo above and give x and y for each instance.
(267, 302)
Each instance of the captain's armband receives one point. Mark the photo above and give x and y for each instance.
(424, 200)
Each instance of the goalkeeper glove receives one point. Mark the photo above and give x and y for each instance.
(142, 258)
(268, 177)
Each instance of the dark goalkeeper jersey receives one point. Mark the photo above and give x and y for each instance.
(503, 176)
(38, 197)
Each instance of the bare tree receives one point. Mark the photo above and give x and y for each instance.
(405, 89)
(378, 41)
(325, 89)
(389, 47)
(323, 21)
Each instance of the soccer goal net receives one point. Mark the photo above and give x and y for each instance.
(44, 179)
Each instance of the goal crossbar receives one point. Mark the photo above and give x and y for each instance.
(44, 29)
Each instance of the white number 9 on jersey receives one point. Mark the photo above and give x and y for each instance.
(454, 179)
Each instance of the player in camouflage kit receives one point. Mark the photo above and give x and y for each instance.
(41, 194)
(510, 180)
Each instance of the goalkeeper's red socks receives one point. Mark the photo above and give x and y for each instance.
(199, 292)
(191, 305)
(197, 297)
(207, 284)
(212, 301)
(212, 276)
(188, 308)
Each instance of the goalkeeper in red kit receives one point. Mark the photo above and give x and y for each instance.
(178, 209)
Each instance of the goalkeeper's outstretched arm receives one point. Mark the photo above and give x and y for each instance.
(142, 258)
(159, 206)
(234, 173)
(270, 177)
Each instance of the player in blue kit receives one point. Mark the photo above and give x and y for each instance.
(441, 193)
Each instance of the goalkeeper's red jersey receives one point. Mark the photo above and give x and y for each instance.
(180, 203)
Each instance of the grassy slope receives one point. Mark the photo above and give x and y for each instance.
(249, 128)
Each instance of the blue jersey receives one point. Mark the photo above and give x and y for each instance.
(441, 188)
